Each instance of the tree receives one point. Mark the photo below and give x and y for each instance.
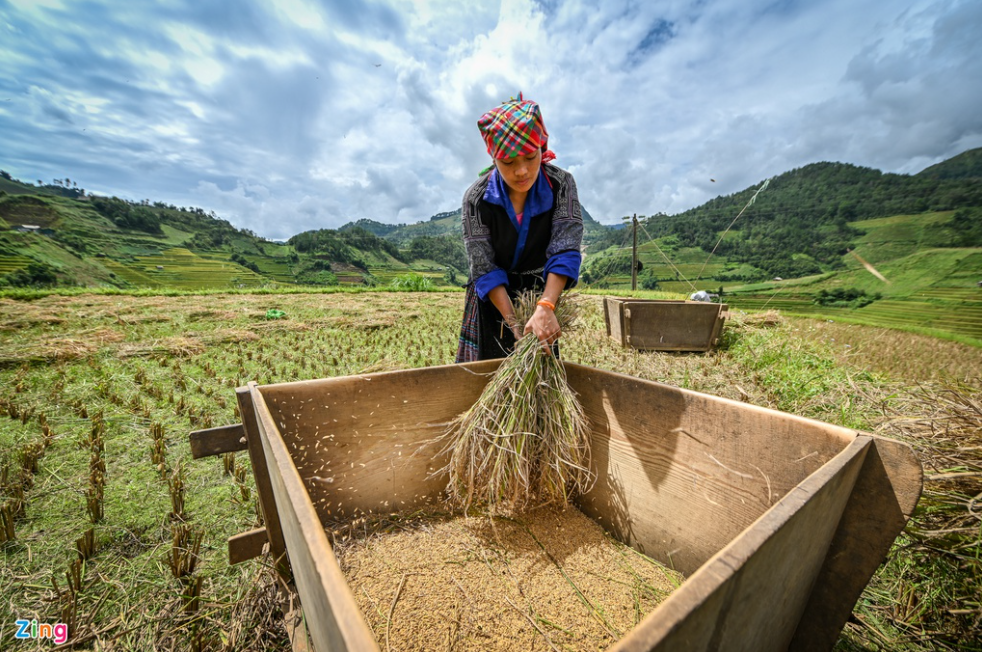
(967, 225)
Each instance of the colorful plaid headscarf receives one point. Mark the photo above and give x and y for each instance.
(515, 128)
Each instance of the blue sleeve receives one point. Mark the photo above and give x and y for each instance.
(566, 263)
(490, 281)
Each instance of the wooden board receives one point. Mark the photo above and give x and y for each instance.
(614, 319)
(336, 624)
(751, 594)
(882, 502)
(246, 545)
(257, 456)
(358, 442)
(681, 474)
(658, 325)
(216, 441)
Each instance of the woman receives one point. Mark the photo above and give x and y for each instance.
(522, 231)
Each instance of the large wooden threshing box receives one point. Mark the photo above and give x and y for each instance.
(662, 325)
(777, 521)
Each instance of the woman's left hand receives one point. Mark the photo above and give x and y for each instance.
(545, 326)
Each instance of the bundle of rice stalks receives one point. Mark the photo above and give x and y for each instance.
(525, 441)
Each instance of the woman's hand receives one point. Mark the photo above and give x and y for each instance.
(499, 297)
(545, 326)
(515, 326)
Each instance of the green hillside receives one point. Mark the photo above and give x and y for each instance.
(55, 235)
(967, 165)
(806, 219)
(806, 243)
(449, 223)
(799, 247)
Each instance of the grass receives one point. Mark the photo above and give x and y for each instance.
(157, 366)
(927, 593)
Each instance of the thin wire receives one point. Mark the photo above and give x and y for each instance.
(749, 204)
(776, 292)
(610, 263)
(670, 264)
(785, 209)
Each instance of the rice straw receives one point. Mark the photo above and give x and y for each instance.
(525, 441)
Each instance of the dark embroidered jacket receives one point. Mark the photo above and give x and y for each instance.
(496, 247)
(519, 256)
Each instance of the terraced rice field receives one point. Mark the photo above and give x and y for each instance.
(350, 278)
(278, 268)
(964, 319)
(10, 264)
(179, 268)
(949, 310)
(689, 267)
(385, 275)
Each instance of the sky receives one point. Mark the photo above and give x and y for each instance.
(289, 115)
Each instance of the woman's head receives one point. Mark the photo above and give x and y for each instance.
(517, 141)
(514, 129)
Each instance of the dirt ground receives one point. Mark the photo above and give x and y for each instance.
(548, 579)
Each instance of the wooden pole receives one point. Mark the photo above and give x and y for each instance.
(634, 254)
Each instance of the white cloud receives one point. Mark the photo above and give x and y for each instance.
(285, 116)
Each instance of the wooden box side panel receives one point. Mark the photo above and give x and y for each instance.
(751, 595)
(670, 326)
(882, 502)
(335, 622)
(614, 317)
(358, 441)
(718, 327)
(681, 474)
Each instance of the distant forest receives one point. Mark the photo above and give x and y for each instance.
(800, 222)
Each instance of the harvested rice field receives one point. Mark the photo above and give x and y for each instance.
(548, 579)
(119, 381)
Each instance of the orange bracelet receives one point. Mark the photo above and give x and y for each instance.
(548, 304)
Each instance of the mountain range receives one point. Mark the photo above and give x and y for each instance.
(804, 222)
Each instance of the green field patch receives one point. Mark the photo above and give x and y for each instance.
(953, 318)
(277, 249)
(180, 268)
(10, 264)
(903, 224)
(888, 238)
(278, 268)
(28, 210)
(909, 276)
(964, 295)
(131, 275)
(175, 236)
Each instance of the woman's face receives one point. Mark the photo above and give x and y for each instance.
(520, 172)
